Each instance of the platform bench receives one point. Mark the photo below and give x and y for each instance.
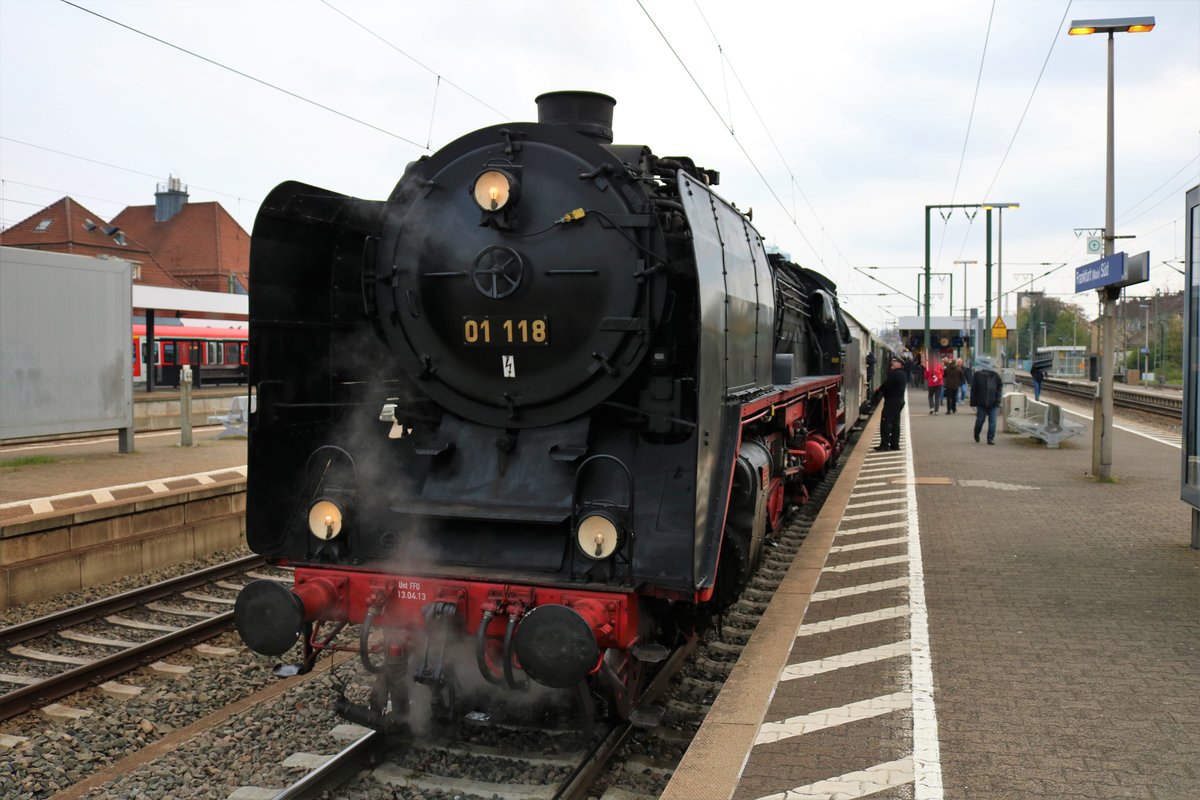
(1046, 422)
(238, 418)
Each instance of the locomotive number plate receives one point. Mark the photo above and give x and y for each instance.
(505, 331)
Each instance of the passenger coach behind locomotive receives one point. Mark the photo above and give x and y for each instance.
(531, 401)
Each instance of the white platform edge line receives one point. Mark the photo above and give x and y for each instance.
(887, 501)
(852, 785)
(201, 477)
(851, 621)
(927, 759)
(875, 514)
(862, 588)
(859, 657)
(778, 730)
(887, 526)
(842, 548)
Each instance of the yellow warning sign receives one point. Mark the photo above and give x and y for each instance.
(999, 331)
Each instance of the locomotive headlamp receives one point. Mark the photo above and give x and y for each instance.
(597, 536)
(494, 189)
(325, 519)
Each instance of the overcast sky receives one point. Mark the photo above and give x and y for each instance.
(837, 123)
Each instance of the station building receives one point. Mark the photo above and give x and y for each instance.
(171, 244)
(951, 337)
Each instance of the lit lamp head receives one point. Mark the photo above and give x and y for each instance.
(494, 189)
(325, 519)
(597, 536)
(496, 193)
(1086, 27)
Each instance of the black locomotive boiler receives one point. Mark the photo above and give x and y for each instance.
(534, 415)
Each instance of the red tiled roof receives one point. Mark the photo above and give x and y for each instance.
(68, 227)
(202, 245)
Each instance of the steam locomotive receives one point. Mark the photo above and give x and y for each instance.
(532, 417)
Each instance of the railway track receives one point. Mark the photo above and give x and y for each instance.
(113, 644)
(553, 764)
(493, 755)
(1156, 403)
(489, 757)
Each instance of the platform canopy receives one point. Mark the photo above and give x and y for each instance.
(160, 298)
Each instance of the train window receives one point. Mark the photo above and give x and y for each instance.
(168, 350)
(231, 352)
(213, 356)
(245, 352)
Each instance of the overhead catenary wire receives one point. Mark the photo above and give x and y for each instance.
(727, 127)
(247, 76)
(110, 165)
(794, 184)
(440, 77)
(1033, 92)
(63, 192)
(1028, 103)
(962, 158)
(1160, 186)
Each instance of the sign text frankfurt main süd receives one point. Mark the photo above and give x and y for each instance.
(1099, 274)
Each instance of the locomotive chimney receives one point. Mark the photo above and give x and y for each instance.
(589, 113)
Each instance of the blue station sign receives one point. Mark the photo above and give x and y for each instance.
(1098, 274)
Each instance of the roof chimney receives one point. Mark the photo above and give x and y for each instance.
(170, 199)
(589, 113)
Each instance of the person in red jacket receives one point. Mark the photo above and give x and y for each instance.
(933, 380)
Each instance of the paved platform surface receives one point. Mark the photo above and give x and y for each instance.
(973, 621)
(37, 478)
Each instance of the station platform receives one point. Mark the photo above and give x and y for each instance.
(43, 477)
(966, 621)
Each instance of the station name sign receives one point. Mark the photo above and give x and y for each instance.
(1115, 270)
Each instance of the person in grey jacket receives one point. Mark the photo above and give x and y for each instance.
(986, 388)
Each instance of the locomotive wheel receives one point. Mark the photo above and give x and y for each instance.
(775, 504)
(734, 569)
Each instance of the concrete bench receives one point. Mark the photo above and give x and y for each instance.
(1044, 421)
(238, 418)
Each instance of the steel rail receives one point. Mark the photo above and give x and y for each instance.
(86, 675)
(581, 780)
(70, 617)
(339, 769)
(1160, 405)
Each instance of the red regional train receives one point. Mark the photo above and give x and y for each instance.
(216, 354)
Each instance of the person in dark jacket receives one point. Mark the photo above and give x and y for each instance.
(1038, 374)
(986, 388)
(892, 390)
(953, 378)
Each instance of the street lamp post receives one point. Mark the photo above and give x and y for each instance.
(1018, 276)
(927, 255)
(964, 306)
(1146, 331)
(999, 261)
(1102, 422)
(949, 275)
